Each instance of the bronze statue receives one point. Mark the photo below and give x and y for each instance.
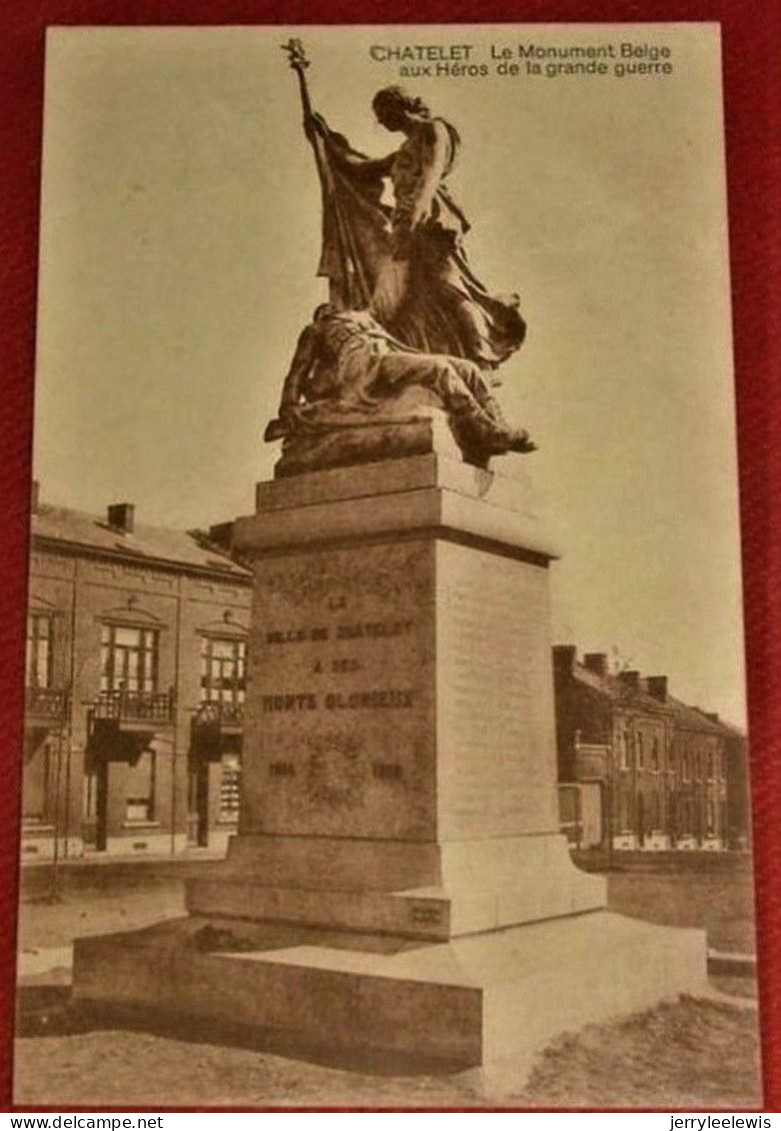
(424, 290)
(348, 369)
(406, 263)
(408, 325)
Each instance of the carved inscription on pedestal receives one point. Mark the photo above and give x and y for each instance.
(339, 735)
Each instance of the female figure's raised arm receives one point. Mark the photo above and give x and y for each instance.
(341, 152)
(371, 166)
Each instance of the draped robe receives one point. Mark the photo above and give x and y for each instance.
(368, 248)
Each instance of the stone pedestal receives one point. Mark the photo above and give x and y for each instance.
(399, 771)
(398, 883)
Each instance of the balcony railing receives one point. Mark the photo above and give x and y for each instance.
(48, 703)
(212, 713)
(135, 706)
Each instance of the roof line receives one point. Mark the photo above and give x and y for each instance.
(46, 541)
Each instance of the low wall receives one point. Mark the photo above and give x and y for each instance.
(692, 860)
(82, 875)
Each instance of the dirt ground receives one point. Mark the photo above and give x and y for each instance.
(691, 1055)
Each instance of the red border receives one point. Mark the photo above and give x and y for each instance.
(750, 30)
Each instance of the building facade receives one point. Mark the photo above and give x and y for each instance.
(135, 684)
(136, 662)
(664, 770)
(738, 791)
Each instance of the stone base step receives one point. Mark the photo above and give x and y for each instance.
(425, 890)
(422, 913)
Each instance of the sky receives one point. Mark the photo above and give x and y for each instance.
(180, 237)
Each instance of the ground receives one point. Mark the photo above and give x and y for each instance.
(692, 1054)
(98, 908)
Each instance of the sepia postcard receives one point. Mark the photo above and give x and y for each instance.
(385, 733)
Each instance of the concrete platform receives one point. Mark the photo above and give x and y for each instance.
(487, 1000)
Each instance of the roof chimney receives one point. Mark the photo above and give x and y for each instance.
(34, 496)
(596, 662)
(631, 679)
(121, 516)
(221, 534)
(564, 656)
(657, 687)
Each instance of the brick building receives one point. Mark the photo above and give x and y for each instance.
(738, 799)
(135, 679)
(663, 771)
